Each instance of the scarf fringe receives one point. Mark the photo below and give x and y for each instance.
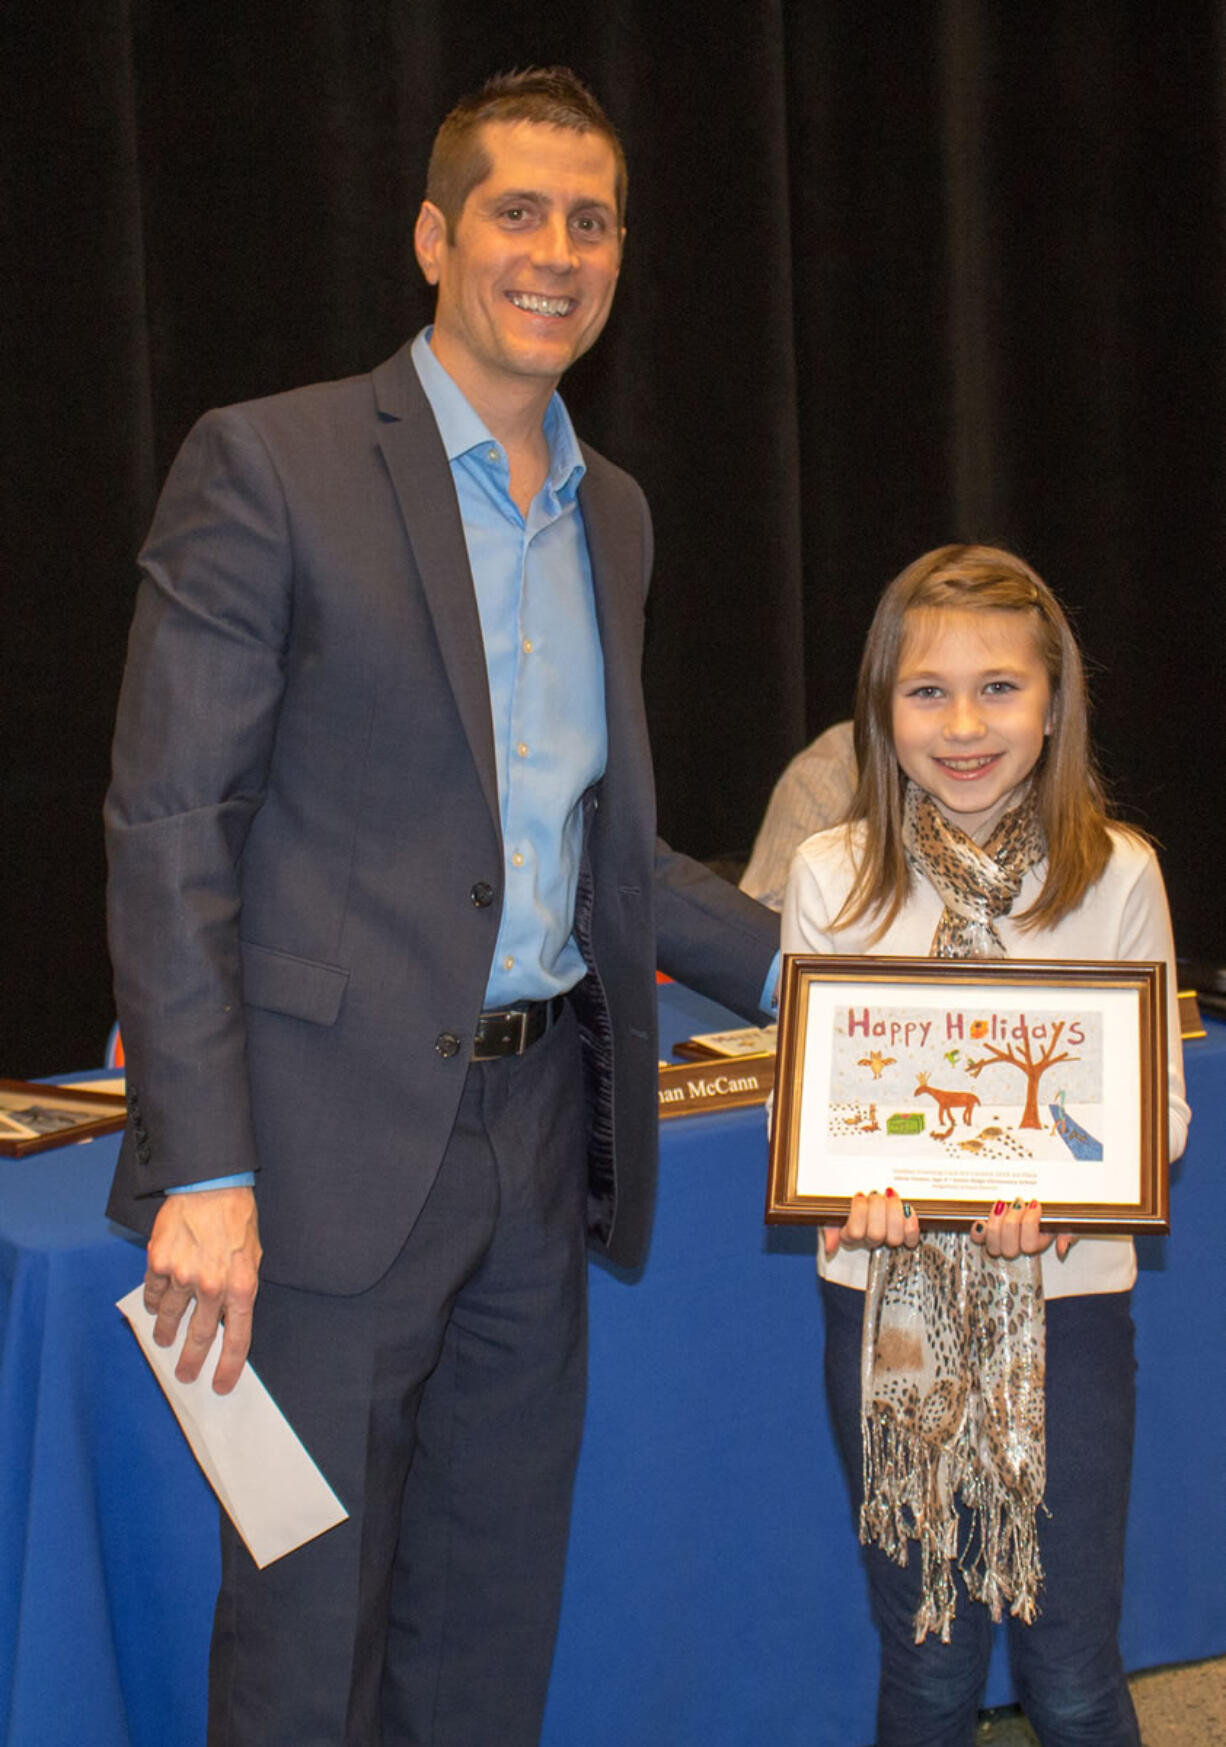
(910, 1492)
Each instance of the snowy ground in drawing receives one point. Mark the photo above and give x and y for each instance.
(880, 1131)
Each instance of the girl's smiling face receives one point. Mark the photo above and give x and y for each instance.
(972, 705)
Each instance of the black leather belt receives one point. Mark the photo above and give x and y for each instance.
(514, 1029)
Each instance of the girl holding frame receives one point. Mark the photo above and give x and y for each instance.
(982, 1386)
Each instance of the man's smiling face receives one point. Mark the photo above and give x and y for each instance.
(526, 283)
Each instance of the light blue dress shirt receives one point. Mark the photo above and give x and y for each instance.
(533, 581)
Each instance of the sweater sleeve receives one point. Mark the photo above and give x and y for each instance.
(1145, 933)
(817, 885)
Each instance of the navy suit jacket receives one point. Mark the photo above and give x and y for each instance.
(304, 811)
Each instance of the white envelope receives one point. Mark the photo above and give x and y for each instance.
(263, 1477)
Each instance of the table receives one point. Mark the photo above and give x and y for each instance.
(713, 1593)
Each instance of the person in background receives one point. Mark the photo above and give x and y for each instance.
(982, 1385)
(386, 902)
(814, 791)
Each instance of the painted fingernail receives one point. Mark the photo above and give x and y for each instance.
(978, 1228)
(907, 1210)
(1031, 1204)
(1017, 1204)
(999, 1208)
(891, 1194)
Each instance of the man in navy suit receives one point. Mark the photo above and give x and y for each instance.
(386, 903)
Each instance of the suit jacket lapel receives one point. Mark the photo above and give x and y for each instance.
(619, 575)
(417, 463)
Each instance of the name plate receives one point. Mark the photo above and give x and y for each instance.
(692, 1087)
(1190, 1022)
(723, 1045)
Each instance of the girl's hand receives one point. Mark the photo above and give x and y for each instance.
(1012, 1229)
(875, 1220)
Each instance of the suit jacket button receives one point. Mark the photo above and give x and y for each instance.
(482, 895)
(144, 1153)
(447, 1043)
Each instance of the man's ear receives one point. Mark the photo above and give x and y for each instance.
(430, 240)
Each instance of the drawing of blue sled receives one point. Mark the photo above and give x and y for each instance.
(1074, 1136)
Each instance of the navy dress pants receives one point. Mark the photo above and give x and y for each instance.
(1066, 1666)
(445, 1406)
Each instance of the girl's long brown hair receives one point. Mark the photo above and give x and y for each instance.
(1072, 807)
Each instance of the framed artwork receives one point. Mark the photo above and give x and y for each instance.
(35, 1116)
(959, 1082)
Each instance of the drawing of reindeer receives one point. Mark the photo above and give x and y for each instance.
(948, 1104)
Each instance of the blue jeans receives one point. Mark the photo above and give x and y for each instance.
(1066, 1666)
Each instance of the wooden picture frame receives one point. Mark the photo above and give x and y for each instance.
(1040, 1078)
(36, 1116)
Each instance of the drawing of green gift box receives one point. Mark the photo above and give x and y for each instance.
(905, 1122)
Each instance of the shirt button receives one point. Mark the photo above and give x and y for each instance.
(508, 963)
(491, 454)
(447, 1043)
(527, 645)
(482, 895)
(522, 749)
(517, 859)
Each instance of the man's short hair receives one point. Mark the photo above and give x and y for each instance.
(548, 96)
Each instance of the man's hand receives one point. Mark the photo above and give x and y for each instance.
(205, 1245)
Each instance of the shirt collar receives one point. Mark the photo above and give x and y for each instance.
(464, 431)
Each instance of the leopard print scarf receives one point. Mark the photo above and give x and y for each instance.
(975, 885)
(952, 1362)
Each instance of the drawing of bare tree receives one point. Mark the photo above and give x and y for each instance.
(1023, 1058)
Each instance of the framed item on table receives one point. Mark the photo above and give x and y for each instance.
(961, 1081)
(35, 1116)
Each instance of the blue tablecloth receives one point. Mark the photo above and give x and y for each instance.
(713, 1594)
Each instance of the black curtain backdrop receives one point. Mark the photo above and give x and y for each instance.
(896, 274)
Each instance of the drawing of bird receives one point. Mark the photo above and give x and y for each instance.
(877, 1062)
